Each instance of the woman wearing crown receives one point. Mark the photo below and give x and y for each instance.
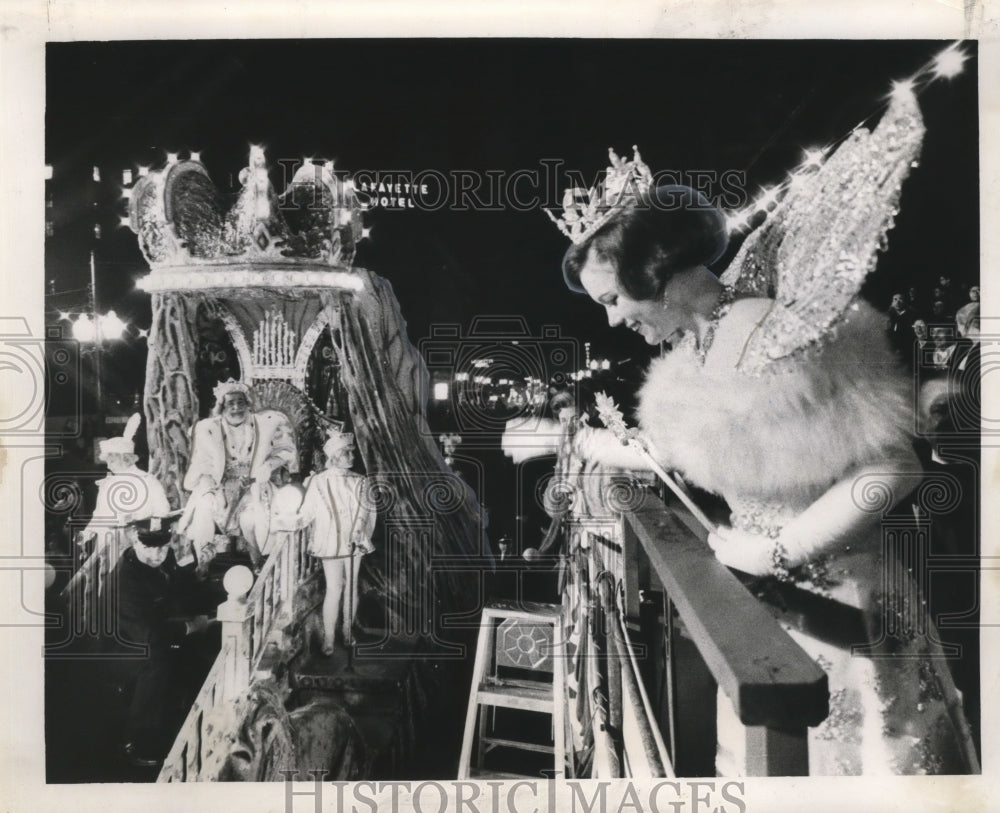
(782, 396)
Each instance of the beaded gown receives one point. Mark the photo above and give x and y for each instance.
(771, 446)
(805, 393)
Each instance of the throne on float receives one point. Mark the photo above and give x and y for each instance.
(261, 287)
(247, 288)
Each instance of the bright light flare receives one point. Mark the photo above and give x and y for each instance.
(84, 329)
(902, 89)
(812, 157)
(737, 221)
(949, 63)
(768, 198)
(112, 327)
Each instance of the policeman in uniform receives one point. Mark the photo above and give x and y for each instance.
(162, 635)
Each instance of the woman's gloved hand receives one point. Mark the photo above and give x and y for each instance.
(744, 551)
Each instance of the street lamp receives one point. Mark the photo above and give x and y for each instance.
(94, 328)
(106, 326)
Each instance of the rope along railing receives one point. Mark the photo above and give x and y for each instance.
(653, 591)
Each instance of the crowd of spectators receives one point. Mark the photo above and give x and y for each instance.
(929, 328)
(938, 335)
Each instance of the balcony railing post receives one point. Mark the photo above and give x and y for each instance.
(771, 690)
(232, 614)
(775, 752)
(211, 723)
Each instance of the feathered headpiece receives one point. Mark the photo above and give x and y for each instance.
(124, 444)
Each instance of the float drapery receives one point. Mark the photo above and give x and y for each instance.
(438, 513)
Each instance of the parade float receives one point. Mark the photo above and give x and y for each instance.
(262, 289)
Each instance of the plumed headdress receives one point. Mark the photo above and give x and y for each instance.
(124, 444)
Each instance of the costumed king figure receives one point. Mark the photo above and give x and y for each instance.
(234, 455)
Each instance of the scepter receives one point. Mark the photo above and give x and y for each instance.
(611, 416)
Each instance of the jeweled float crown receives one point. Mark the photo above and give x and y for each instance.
(586, 210)
(187, 227)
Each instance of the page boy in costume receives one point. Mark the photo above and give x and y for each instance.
(343, 521)
(128, 493)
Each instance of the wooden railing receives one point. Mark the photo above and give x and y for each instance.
(255, 635)
(657, 588)
(660, 589)
(201, 745)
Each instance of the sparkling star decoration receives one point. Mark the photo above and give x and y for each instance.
(125, 220)
(812, 158)
(143, 333)
(903, 89)
(949, 63)
(65, 315)
(768, 198)
(195, 155)
(737, 221)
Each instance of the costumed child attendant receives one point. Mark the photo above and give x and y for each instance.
(127, 494)
(343, 522)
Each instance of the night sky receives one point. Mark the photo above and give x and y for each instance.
(480, 105)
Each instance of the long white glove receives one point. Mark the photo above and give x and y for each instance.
(525, 440)
(836, 517)
(750, 553)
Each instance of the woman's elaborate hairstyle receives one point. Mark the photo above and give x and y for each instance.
(671, 229)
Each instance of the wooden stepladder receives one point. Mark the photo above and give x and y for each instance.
(517, 641)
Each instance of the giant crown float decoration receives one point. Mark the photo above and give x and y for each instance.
(277, 270)
(194, 239)
(272, 267)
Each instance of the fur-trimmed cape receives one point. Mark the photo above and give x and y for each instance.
(791, 432)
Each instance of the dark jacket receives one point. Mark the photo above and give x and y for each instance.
(154, 602)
